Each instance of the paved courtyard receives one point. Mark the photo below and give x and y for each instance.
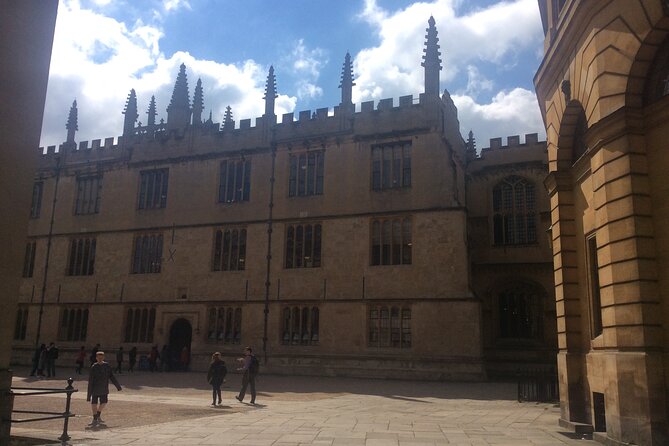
(173, 408)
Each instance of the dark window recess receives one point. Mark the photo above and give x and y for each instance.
(514, 212)
(147, 254)
(224, 324)
(36, 204)
(153, 189)
(303, 246)
(82, 257)
(235, 181)
(88, 195)
(29, 259)
(389, 327)
(300, 326)
(73, 324)
(306, 174)
(391, 166)
(21, 325)
(593, 281)
(139, 324)
(520, 313)
(391, 241)
(599, 409)
(229, 250)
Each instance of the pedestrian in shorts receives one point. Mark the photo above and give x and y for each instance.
(98, 386)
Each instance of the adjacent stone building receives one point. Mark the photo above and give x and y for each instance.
(335, 242)
(602, 88)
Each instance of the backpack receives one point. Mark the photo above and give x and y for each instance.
(254, 367)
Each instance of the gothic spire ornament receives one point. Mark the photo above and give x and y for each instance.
(198, 103)
(151, 112)
(179, 111)
(228, 123)
(346, 83)
(431, 59)
(270, 92)
(130, 112)
(72, 124)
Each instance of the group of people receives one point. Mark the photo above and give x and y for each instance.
(101, 372)
(44, 360)
(249, 365)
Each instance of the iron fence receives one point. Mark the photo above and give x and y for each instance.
(31, 391)
(538, 385)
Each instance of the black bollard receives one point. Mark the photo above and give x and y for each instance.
(67, 415)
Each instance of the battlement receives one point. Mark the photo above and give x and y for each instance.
(512, 141)
(158, 141)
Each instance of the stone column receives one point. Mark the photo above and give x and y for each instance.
(568, 305)
(26, 37)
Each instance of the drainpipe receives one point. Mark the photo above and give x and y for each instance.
(48, 254)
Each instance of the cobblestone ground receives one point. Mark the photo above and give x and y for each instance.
(161, 408)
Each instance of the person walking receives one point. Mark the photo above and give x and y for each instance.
(154, 356)
(41, 365)
(184, 359)
(98, 386)
(119, 360)
(250, 368)
(216, 377)
(81, 357)
(51, 356)
(132, 359)
(165, 359)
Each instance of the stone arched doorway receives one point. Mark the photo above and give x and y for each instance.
(181, 334)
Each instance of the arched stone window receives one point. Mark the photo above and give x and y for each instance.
(520, 312)
(514, 212)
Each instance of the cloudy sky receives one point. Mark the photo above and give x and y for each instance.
(103, 48)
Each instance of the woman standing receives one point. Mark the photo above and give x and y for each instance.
(216, 376)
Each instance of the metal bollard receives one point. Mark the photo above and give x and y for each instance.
(66, 415)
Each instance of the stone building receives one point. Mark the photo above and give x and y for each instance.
(602, 88)
(336, 242)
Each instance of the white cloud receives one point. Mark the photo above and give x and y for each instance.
(306, 65)
(97, 60)
(477, 82)
(172, 5)
(515, 112)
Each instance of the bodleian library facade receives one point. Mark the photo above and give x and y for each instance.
(374, 240)
(360, 242)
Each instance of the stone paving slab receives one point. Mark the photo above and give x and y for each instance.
(341, 412)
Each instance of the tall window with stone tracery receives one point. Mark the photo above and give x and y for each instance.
(389, 327)
(514, 212)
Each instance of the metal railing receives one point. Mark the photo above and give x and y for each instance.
(30, 391)
(538, 385)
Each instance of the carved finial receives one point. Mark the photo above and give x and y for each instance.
(72, 124)
(228, 123)
(270, 92)
(471, 142)
(179, 111)
(210, 120)
(346, 84)
(152, 112)
(130, 112)
(198, 103)
(431, 59)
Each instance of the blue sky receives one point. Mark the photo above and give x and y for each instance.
(102, 48)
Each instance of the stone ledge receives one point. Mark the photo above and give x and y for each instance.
(601, 437)
(578, 428)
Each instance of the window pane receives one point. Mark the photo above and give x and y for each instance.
(317, 246)
(320, 170)
(311, 173)
(292, 182)
(376, 168)
(397, 241)
(301, 175)
(406, 166)
(222, 181)
(290, 246)
(376, 243)
(407, 247)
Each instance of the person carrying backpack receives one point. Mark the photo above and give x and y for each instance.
(250, 367)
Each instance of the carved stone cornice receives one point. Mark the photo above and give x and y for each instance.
(558, 181)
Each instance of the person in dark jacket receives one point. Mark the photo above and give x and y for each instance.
(81, 357)
(51, 356)
(94, 352)
(98, 386)
(216, 377)
(132, 359)
(119, 360)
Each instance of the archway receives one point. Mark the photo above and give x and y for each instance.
(181, 334)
